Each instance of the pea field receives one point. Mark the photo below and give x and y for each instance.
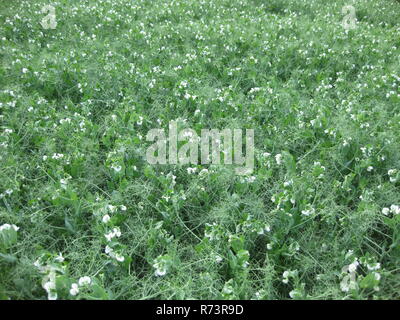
(85, 215)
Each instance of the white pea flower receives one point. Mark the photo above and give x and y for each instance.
(286, 275)
(119, 257)
(353, 266)
(74, 289)
(84, 281)
(8, 227)
(52, 295)
(161, 272)
(109, 236)
(374, 266)
(59, 258)
(116, 168)
(117, 232)
(49, 285)
(112, 208)
(295, 294)
(106, 218)
(108, 250)
(112, 234)
(278, 158)
(161, 266)
(395, 209)
(191, 170)
(308, 212)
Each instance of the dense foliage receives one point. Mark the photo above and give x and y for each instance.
(83, 215)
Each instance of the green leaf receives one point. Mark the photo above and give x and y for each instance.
(237, 243)
(69, 225)
(369, 282)
(290, 162)
(8, 258)
(99, 293)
